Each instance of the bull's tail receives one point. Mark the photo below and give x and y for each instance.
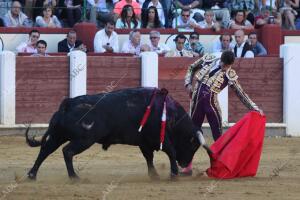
(32, 142)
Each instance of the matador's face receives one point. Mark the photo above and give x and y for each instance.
(224, 67)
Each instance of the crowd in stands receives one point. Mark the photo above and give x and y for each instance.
(187, 14)
(107, 40)
(109, 15)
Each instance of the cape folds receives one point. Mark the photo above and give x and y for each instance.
(237, 152)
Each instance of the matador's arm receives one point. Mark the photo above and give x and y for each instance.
(234, 84)
(198, 64)
(191, 71)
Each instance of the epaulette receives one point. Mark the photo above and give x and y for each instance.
(231, 75)
(209, 58)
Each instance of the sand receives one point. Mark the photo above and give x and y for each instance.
(121, 174)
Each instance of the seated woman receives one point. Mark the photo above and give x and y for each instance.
(128, 19)
(151, 19)
(240, 21)
(40, 4)
(48, 20)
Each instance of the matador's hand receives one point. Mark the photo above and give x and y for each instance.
(261, 112)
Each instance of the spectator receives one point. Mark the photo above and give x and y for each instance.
(179, 51)
(128, 19)
(160, 8)
(40, 4)
(242, 48)
(242, 4)
(106, 40)
(15, 17)
(267, 4)
(71, 43)
(223, 43)
(133, 45)
(194, 45)
(266, 18)
(208, 22)
(246, 5)
(155, 45)
(151, 19)
(184, 20)
(257, 48)
(73, 11)
(240, 21)
(48, 20)
(136, 7)
(286, 8)
(30, 45)
(220, 11)
(192, 5)
(102, 11)
(4, 7)
(41, 48)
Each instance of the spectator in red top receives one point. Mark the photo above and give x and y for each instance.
(136, 7)
(265, 17)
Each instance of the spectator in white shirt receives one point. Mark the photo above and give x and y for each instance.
(223, 43)
(133, 45)
(30, 45)
(155, 45)
(242, 48)
(184, 20)
(15, 17)
(106, 40)
(208, 22)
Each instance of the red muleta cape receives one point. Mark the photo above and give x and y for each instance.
(237, 152)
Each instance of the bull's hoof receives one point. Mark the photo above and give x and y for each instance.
(173, 177)
(74, 177)
(31, 176)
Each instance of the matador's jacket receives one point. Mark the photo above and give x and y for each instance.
(211, 80)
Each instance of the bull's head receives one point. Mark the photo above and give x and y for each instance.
(186, 150)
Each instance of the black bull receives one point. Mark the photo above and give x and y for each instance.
(113, 118)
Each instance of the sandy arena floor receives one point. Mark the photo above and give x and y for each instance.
(121, 174)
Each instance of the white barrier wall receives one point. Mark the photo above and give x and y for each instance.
(7, 88)
(149, 75)
(291, 89)
(78, 73)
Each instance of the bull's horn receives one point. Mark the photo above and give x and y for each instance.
(203, 142)
(201, 138)
(87, 126)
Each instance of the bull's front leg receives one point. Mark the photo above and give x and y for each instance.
(170, 151)
(148, 154)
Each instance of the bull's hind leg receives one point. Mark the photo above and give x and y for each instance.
(47, 148)
(72, 149)
(148, 154)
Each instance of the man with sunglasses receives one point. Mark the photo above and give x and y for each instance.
(184, 20)
(30, 45)
(194, 45)
(155, 45)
